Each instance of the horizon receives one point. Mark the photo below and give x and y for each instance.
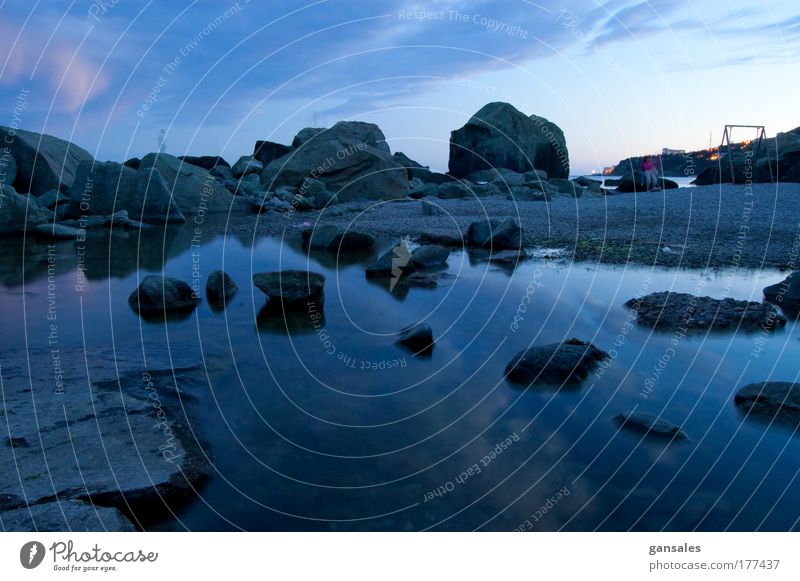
(218, 76)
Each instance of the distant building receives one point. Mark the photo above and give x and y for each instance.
(668, 151)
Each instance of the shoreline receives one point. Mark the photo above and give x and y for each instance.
(719, 226)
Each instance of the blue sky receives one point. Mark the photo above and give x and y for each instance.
(622, 77)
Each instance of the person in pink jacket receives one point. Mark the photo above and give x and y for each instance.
(649, 173)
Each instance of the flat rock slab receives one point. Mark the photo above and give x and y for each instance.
(650, 425)
(66, 515)
(556, 363)
(292, 289)
(771, 401)
(118, 438)
(674, 311)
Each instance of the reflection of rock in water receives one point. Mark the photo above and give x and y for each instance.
(279, 322)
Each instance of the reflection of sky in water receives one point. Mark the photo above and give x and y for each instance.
(305, 434)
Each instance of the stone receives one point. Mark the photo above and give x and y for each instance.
(430, 256)
(453, 190)
(424, 191)
(672, 311)
(650, 425)
(430, 208)
(418, 338)
(267, 151)
(566, 186)
(393, 262)
(771, 401)
(207, 162)
(65, 515)
(8, 168)
(51, 198)
(160, 296)
(292, 290)
(18, 213)
(102, 188)
(556, 363)
(304, 136)
(194, 190)
(500, 136)
(351, 158)
(527, 194)
(246, 165)
(495, 234)
(441, 238)
(220, 289)
(330, 237)
(785, 293)
(632, 183)
(43, 162)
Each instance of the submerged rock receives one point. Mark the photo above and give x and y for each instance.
(418, 338)
(220, 289)
(158, 296)
(291, 289)
(674, 311)
(556, 363)
(495, 234)
(650, 425)
(771, 401)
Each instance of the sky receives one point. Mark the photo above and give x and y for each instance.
(620, 77)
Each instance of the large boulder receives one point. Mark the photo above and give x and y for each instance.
(8, 168)
(557, 363)
(208, 162)
(292, 290)
(501, 136)
(495, 234)
(771, 401)
(304, 136)
(102, 188)
(19, 213)
(193, 188)
(246, 165)
(266, 151)
(160, 296)
(351, 158)
(43, 162)
(630, 183)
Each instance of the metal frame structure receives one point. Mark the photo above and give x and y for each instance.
(726, 140)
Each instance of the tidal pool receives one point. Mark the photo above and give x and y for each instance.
(331, 425)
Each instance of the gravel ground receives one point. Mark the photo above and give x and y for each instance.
(711, 226)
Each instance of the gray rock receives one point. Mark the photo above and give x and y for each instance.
(394, 263)
(785, 293)
(672, 311)
(424, 191)
(18, 213)
(771, 401)
(418, 338)
(527, 194)
(63, 516)
(207, 162)
(556, 363)
(304, 136)
(43, 162)
(430, 208)
(453, 190)
(102, 188)
(249, 185)
(650, 425)
(159, 296)
(631, 183)
(292, 290)
(441, 238)
(8, 168)
(194, 190)
(351, 158)
(107, 441)
(246, 165)
(500, 136)
(497, 174)
(266, 151)
(430, 256)
(51, 198)
(220, 289)
(330, 237)
(568, 187)
(495, 234)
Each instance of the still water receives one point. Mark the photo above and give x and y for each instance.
(340, 428)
